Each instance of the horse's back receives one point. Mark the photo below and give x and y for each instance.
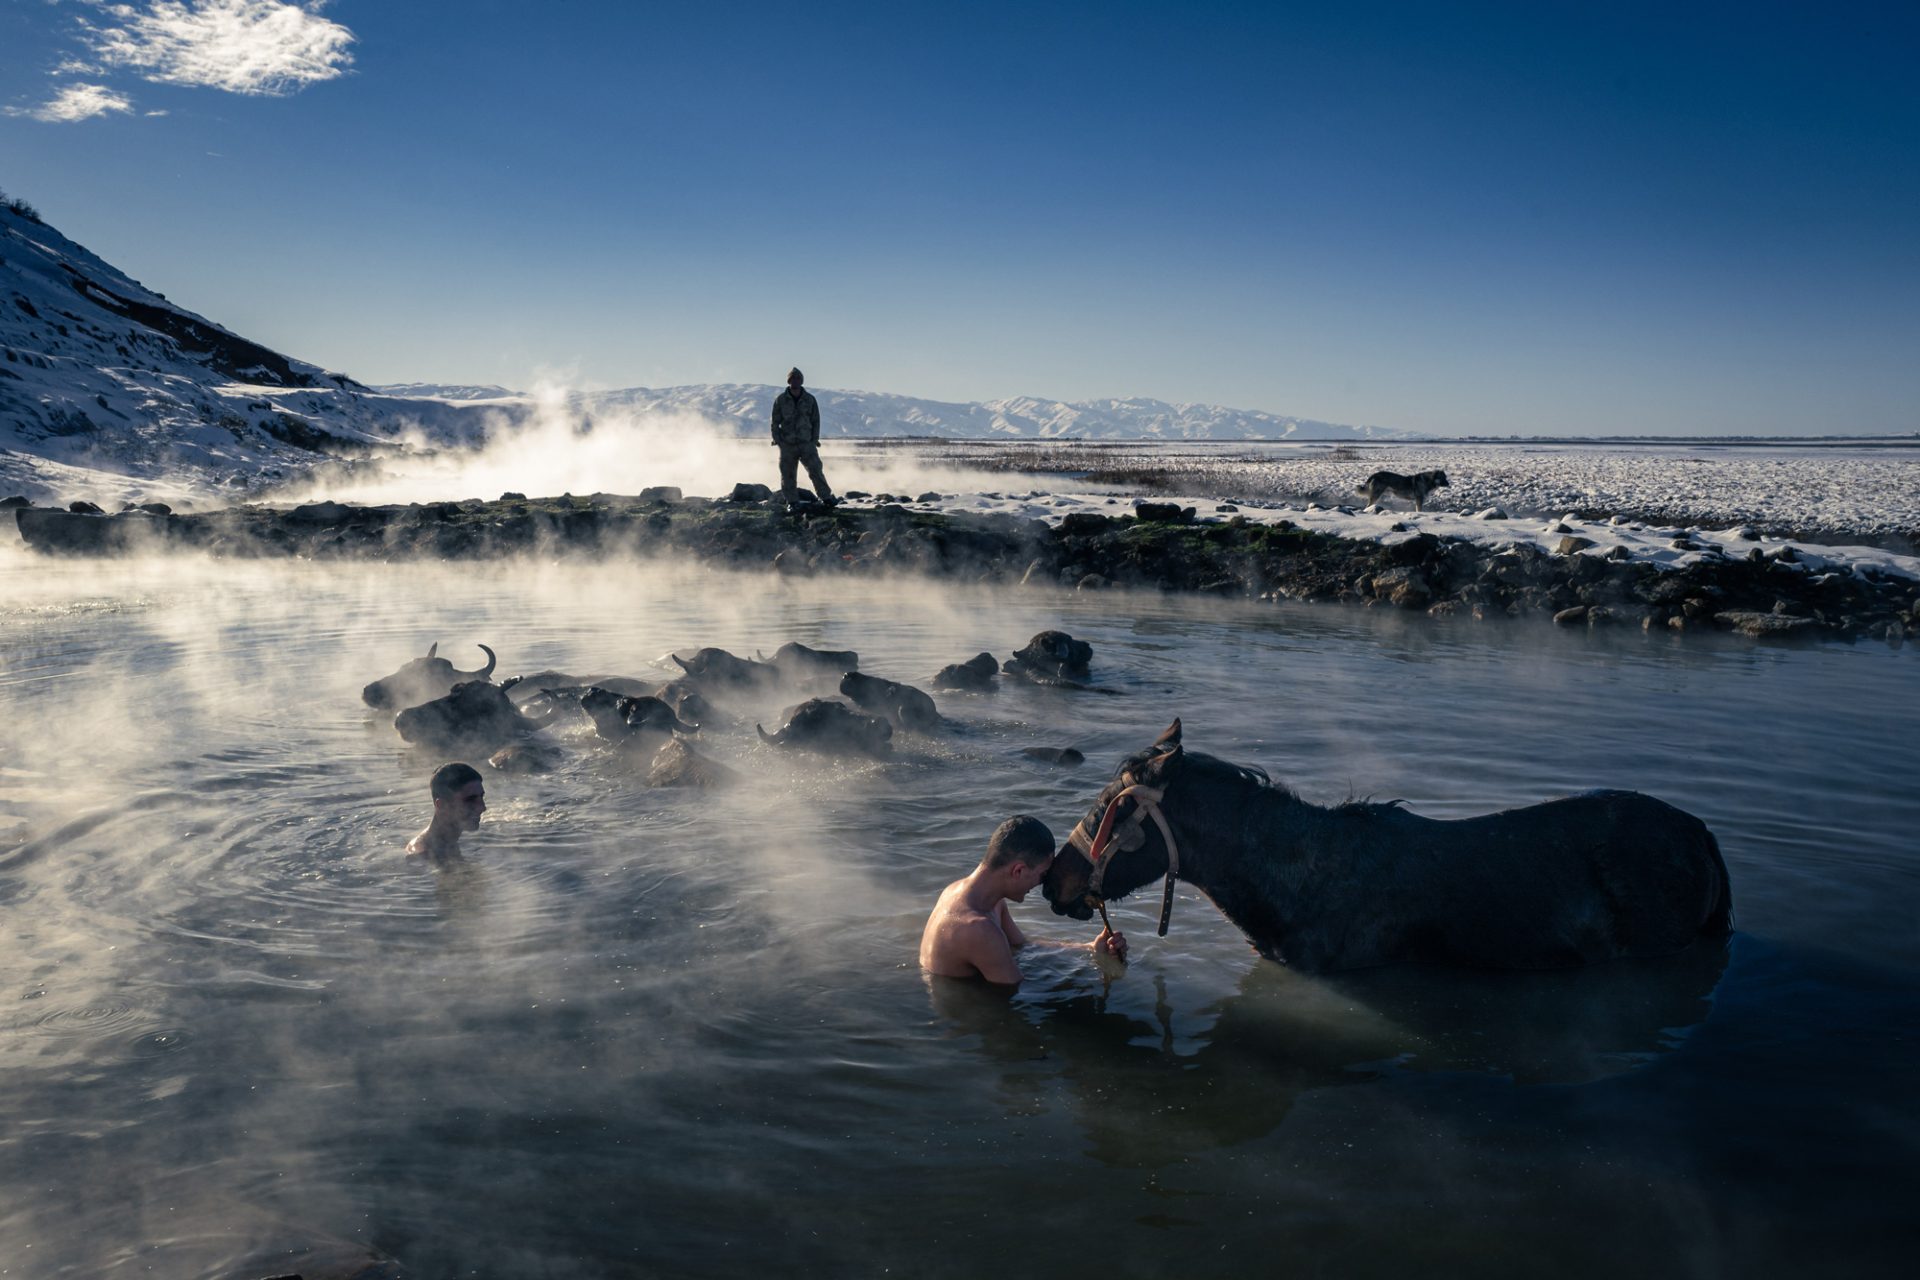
(1592, 877)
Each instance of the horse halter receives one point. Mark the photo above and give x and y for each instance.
(1100, 852)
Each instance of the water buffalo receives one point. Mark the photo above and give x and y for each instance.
(1051, 657)
(975, 675)
(821, 724)
(1068, 757)
(718, 670)
(678, 765)
(527, 757)
(904, 706)
(798, 662)
(474, 718)
(422, 680)
(643, 721)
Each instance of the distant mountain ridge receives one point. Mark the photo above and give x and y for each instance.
(869, 414)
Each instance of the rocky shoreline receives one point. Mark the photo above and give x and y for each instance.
(1159, 547)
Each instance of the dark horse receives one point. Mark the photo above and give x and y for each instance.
(1550, 886)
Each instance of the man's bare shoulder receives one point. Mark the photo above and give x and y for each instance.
(963, 942)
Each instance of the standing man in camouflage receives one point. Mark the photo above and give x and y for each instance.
(796, 430)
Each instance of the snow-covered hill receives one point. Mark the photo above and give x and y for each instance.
(101, 377)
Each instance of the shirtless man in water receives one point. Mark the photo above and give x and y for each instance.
(459, 798)
(971, 933)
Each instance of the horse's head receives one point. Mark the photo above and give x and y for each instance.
(1135, 850)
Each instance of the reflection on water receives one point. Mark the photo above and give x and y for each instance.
(665, 1033)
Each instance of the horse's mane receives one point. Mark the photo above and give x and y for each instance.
(1214, 769)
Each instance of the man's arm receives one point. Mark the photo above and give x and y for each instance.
(1015, 938)
(987, 948)
(814, 402)
(774, 426)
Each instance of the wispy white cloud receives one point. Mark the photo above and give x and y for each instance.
(77, 102)
(242, 46)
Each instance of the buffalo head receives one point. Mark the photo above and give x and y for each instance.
(422, 680)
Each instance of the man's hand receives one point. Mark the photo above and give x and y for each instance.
(1111, 943)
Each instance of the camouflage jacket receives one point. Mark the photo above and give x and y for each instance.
(796, 419)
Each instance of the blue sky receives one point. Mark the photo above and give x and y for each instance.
(1529, 218)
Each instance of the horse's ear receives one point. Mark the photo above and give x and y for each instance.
(1169, 740)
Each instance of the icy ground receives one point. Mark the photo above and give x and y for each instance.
(1846, 508)
(1839, 492)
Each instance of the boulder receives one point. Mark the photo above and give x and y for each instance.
(1751, 622)
(1163, 512)
(1573, 544)
(744, 492)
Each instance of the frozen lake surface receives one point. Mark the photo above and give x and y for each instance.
(666, 1033)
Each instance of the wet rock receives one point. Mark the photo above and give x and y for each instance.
(1078, 523)
(904, 706)
(1091, 582)
(1225, 506)
(677, 764)
(1418, 549)
(155, 508)
(792, 562)
(84, 508)
(320, 513)
(1067, 757)
(1403, 585)
(928, 497)
(1490, 513)
(1751, 622)
(744, 492)
(1569, 617)
(976, 675)
(1163, 512)
(1051, 657)
(15, 502)
(1572, 545)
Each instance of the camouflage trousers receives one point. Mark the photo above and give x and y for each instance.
(791, 456)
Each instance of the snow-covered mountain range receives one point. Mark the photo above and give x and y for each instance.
(109, 388)
(870, 414)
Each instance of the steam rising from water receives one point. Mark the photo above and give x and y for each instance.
(557, 449)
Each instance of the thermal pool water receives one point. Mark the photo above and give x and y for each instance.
(674, 1033)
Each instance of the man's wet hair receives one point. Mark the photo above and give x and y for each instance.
(1019, 839)
(449, 778)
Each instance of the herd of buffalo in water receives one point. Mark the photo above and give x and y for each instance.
(439, 707)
